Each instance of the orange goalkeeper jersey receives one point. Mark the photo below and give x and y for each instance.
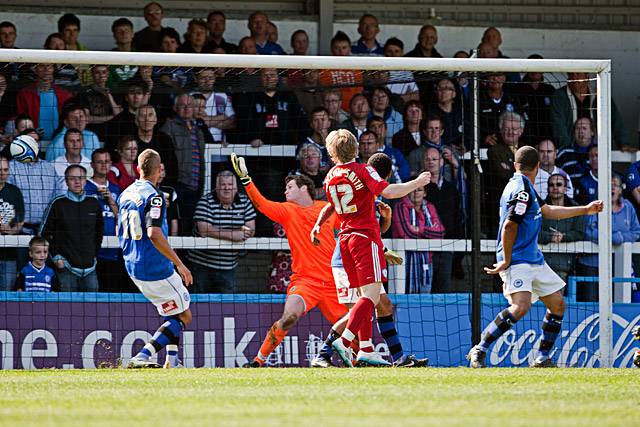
(309, 261)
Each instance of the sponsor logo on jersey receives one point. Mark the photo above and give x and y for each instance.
(156, 201)
(343, 292)
(169, 306)
(521, 208)
(155, 212)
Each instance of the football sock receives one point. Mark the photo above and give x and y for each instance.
(501, 324)
(387, 329)
(167, 333)
(551, 326)
(327, 351)
(365, 333)
(172, 355)
(360, 315)
(273, 339)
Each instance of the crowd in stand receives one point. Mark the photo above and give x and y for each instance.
(93, 120)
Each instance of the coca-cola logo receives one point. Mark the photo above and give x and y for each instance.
(580, 346)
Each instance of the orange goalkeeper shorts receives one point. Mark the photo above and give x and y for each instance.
(316, 294)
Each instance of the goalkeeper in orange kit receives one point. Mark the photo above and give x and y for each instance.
(312, 279)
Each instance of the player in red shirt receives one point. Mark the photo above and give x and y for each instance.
(351, 190)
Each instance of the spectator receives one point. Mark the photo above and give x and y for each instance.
(577, 100)
(188, 141)
(124, 123)
(8, 35)
(367, 146)
(149, 38)
(367, 45)
(7, 109)
(69, 27)
(410, 136)
(98, 97)
(561, 230)
(195, 39)
(534, 95)
(11, 220)
(446, 198)
(273, 117)
(217, 24)
(416, 218)
(124, 172)
(122, 30)
(450, 113)
(359, 109)
(548, 152)
(110, 269)
(500, 169)
(400, 82)
(349, 82)
(310, 157)
(632, 181)
(425, 48)
(493, 103)
(272, 32)
(43, 100)
(400, 171)
(73, 225)
(574, 159)
(306, 86)
(36, 276)
(587, 185)
(433, 138)
(299, 42)
(258, 26)
(493, 38)
(149, 136)
(169, 40)
(74, 116)
(64, 75)
(219, 113)
(381, 107)
(247, 46)
(319, 123)
(332, 101)
(72, 155)
(222, 214)
(171, 198)
(624, 228)
(158, 94)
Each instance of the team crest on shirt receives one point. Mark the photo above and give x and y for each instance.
(518, 283)
(169, 306)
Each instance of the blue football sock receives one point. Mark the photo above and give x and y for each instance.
(327, 351)
(387, 329)
(501, 324)
(551, 326)
(168, 333)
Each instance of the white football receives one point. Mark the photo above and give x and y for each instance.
(24, 149)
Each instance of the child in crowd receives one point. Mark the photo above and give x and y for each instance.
(36, 276)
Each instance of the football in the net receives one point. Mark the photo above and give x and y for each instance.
(24, 149)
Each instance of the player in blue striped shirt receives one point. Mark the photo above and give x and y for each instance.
(526, 276)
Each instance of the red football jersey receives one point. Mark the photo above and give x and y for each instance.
(352, 189)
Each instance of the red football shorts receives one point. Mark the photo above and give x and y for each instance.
(363, 259)
(316, 294)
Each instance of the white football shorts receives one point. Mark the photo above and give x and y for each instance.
(540, 280)
(168, 295)
(346, 295)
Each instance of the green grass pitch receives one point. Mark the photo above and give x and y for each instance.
(321, 397)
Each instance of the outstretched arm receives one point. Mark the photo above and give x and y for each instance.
(562, 212)
(396, 191)
(324, 215)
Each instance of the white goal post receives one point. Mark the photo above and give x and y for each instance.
(601, 68)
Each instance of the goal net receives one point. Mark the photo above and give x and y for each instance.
(460, 119)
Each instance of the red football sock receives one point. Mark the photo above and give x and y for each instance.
(360, 314)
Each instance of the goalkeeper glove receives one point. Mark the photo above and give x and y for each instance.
(636, 332)
(392, 257)
(241, 168)
(636, 359)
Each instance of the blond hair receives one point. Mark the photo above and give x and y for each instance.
(148, 162)
(342, 145)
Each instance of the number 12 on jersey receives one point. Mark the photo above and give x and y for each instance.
(341, 195)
